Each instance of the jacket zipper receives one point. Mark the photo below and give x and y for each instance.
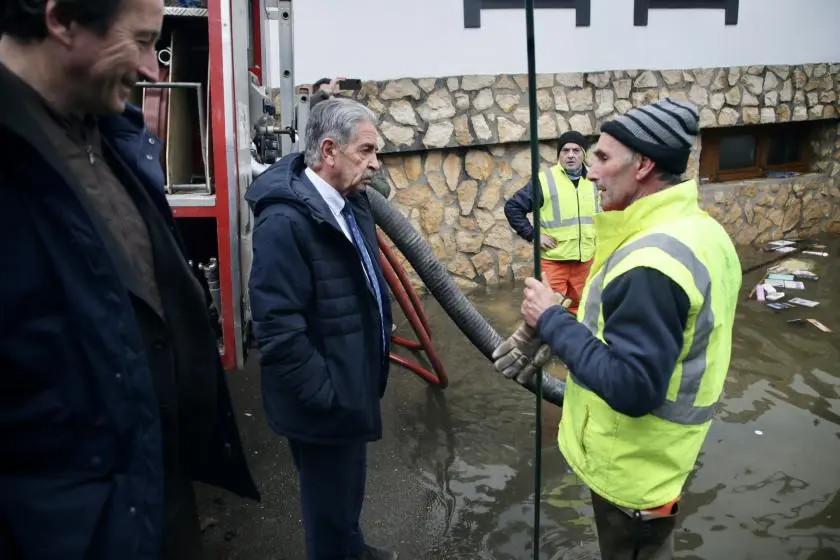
(371, 253)
(583, 430)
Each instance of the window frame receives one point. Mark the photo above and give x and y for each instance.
(642, 7)
(473, 9)
(709, 164)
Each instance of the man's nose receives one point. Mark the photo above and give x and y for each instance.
(149, 69)
(374, 163)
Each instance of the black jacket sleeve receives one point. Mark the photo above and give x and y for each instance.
(645, 314)
(517, 209)
(281, 289)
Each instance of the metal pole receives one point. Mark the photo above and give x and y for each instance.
(536, 190)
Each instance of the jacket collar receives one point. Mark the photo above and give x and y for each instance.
(671, 203)
(583, 170)
(19, 128)
(334, 200)
(16, 118)
(286, 182)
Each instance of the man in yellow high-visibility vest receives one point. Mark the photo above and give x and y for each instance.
(568, 206)
(649, 352)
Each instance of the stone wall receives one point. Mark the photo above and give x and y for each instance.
(433, 113)
(456, 148)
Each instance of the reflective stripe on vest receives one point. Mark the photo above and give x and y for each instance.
(683, 410)
(556, 222)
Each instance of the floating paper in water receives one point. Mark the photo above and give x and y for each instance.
(787, 284)
(767, 291)
(819, 325)
(806, 274)
(801, 321)
(789, 264)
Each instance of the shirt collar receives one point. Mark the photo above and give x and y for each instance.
(334, 200)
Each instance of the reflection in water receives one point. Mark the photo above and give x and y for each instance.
(767, 484)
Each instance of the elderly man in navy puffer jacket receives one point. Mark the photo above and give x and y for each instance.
(322, 319)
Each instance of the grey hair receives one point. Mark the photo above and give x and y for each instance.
(337, 118)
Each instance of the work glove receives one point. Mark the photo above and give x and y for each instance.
(523, 354)
(514, 353)
(534, 365)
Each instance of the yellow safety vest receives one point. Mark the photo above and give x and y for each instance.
(567, 215)
(643, 463)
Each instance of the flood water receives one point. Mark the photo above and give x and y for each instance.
(453, 476)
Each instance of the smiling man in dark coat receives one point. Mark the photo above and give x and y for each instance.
(322, 319)
(112, 395)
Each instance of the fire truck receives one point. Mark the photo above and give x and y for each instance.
(225, 108)
(220, 125)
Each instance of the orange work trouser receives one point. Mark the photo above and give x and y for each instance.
(567, 278)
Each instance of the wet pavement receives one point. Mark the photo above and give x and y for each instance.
(453, 476)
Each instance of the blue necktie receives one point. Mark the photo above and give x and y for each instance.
(367, 264)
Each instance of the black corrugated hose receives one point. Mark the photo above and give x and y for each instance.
(437, 279)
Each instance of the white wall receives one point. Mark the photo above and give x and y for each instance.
(385, 39)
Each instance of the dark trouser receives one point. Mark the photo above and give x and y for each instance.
(332, 490)
(620, 537)
(181, 530)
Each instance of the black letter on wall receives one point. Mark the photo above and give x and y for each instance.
(640, 16)
(472, 9)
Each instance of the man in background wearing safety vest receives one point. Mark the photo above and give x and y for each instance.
(569, 203)
(649, 352)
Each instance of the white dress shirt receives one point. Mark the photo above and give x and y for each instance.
(336, 204)
(334, 200)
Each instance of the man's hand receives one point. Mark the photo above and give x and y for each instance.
(547, 242)
(517, 351)
(333, 87)
(539, 297)
(523, 354)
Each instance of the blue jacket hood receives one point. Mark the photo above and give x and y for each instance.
(286, 182)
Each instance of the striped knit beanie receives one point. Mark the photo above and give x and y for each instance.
(663, 131)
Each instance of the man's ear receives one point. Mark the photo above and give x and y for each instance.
(644, 167)
(59, 25)
(328, 151)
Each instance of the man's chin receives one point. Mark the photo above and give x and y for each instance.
(609, 206)
(115, 107)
